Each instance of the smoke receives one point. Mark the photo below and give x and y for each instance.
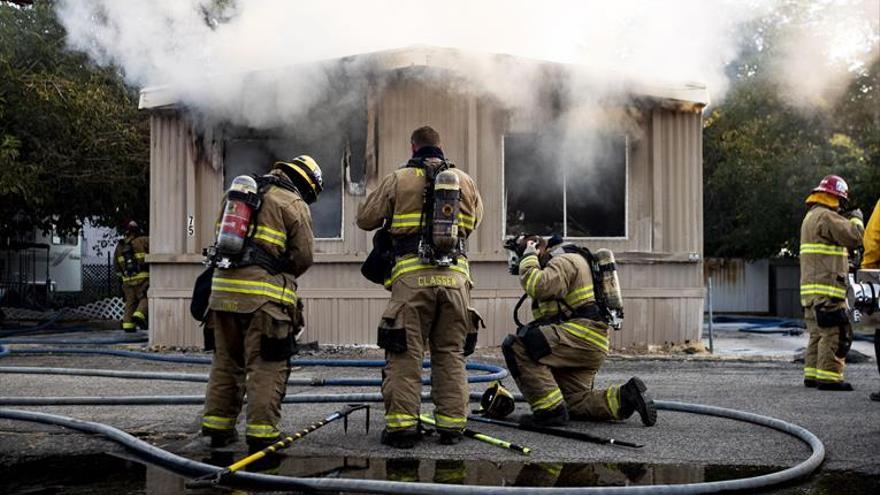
(203, 47)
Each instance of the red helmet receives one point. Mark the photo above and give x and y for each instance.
(833, 184)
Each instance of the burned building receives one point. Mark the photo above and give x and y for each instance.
(621, 171)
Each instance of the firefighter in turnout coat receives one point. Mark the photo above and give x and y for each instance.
(428, 308)
(255, 311)
(555, 358)
(825, 237)
(130, 258)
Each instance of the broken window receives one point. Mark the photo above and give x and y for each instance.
(573, 188)
(255, 154)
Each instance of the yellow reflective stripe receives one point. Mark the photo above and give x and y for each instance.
(448, 422)
(823, 290)
(120, 259)
(809, 372)
(400, 420)
(218, 422)
(829, 375)
(271, 235)
(551, 469)
(590, 335)
(406, 219)
(549, 401)
(582, 294)
(467, 221)
(270, 240)
(253, 287)
(126, 326)
(532, 282)
(857, 221)
(612, 398)
(826, 249)
(530, 260)
(262, 431)
(549, 307)
(139, 276)
(139, 314)
(409, 265)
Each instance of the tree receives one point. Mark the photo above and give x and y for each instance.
(72, 144)
(762, 155)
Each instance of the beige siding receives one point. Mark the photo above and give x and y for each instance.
(660, 275)
(181, 187)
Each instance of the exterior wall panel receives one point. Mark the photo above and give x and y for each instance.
(662, 281)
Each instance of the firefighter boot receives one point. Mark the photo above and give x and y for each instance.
(558, 416)
(256, 444)
(405, 439)
(875, 396)
(634, 399)
(220, 438)
(450, 437)
(836, 386)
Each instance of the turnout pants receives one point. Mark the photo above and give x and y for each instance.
(825, 357)
(559, 369)
(135, 297)
(239, 369)
(426, 311)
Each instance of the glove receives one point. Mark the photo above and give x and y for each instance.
(531, 248)
(857, 213)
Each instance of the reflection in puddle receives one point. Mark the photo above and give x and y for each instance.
(106, 474)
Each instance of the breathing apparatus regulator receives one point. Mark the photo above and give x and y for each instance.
(440, 243)
(603, 271)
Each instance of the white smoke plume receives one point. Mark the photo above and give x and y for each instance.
(190, 44)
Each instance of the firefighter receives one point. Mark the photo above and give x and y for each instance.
(555, 358)
(428, 308)
(826, 235)
(254, 309)
(132, 267)
(871, 260)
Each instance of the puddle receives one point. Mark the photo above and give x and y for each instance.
(106, 474)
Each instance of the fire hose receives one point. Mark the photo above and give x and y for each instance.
(193, 469)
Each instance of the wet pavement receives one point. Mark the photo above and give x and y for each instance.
(712, 448)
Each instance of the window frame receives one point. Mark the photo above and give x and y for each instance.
(342, 186)
(626, 192)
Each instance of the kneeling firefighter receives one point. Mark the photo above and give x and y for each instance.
(826, 234)
(428, 209)
(554, 359)
(866, 286)
(130, 257)
(264, 243)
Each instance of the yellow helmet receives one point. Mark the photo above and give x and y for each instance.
(306, 176)
(497, 402)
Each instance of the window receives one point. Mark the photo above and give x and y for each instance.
(255, 154)
(576, 191)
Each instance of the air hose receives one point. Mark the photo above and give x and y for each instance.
(128, 339)
(194, 469)
(492, 372)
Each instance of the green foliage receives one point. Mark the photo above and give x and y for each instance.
(72, 143)
(762, 155)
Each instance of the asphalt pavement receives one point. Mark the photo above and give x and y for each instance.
(769, 383)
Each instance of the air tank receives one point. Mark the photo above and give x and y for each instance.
(237, 213)
(447, 202)
(610, 281)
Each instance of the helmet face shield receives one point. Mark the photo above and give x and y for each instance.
(497, 402)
